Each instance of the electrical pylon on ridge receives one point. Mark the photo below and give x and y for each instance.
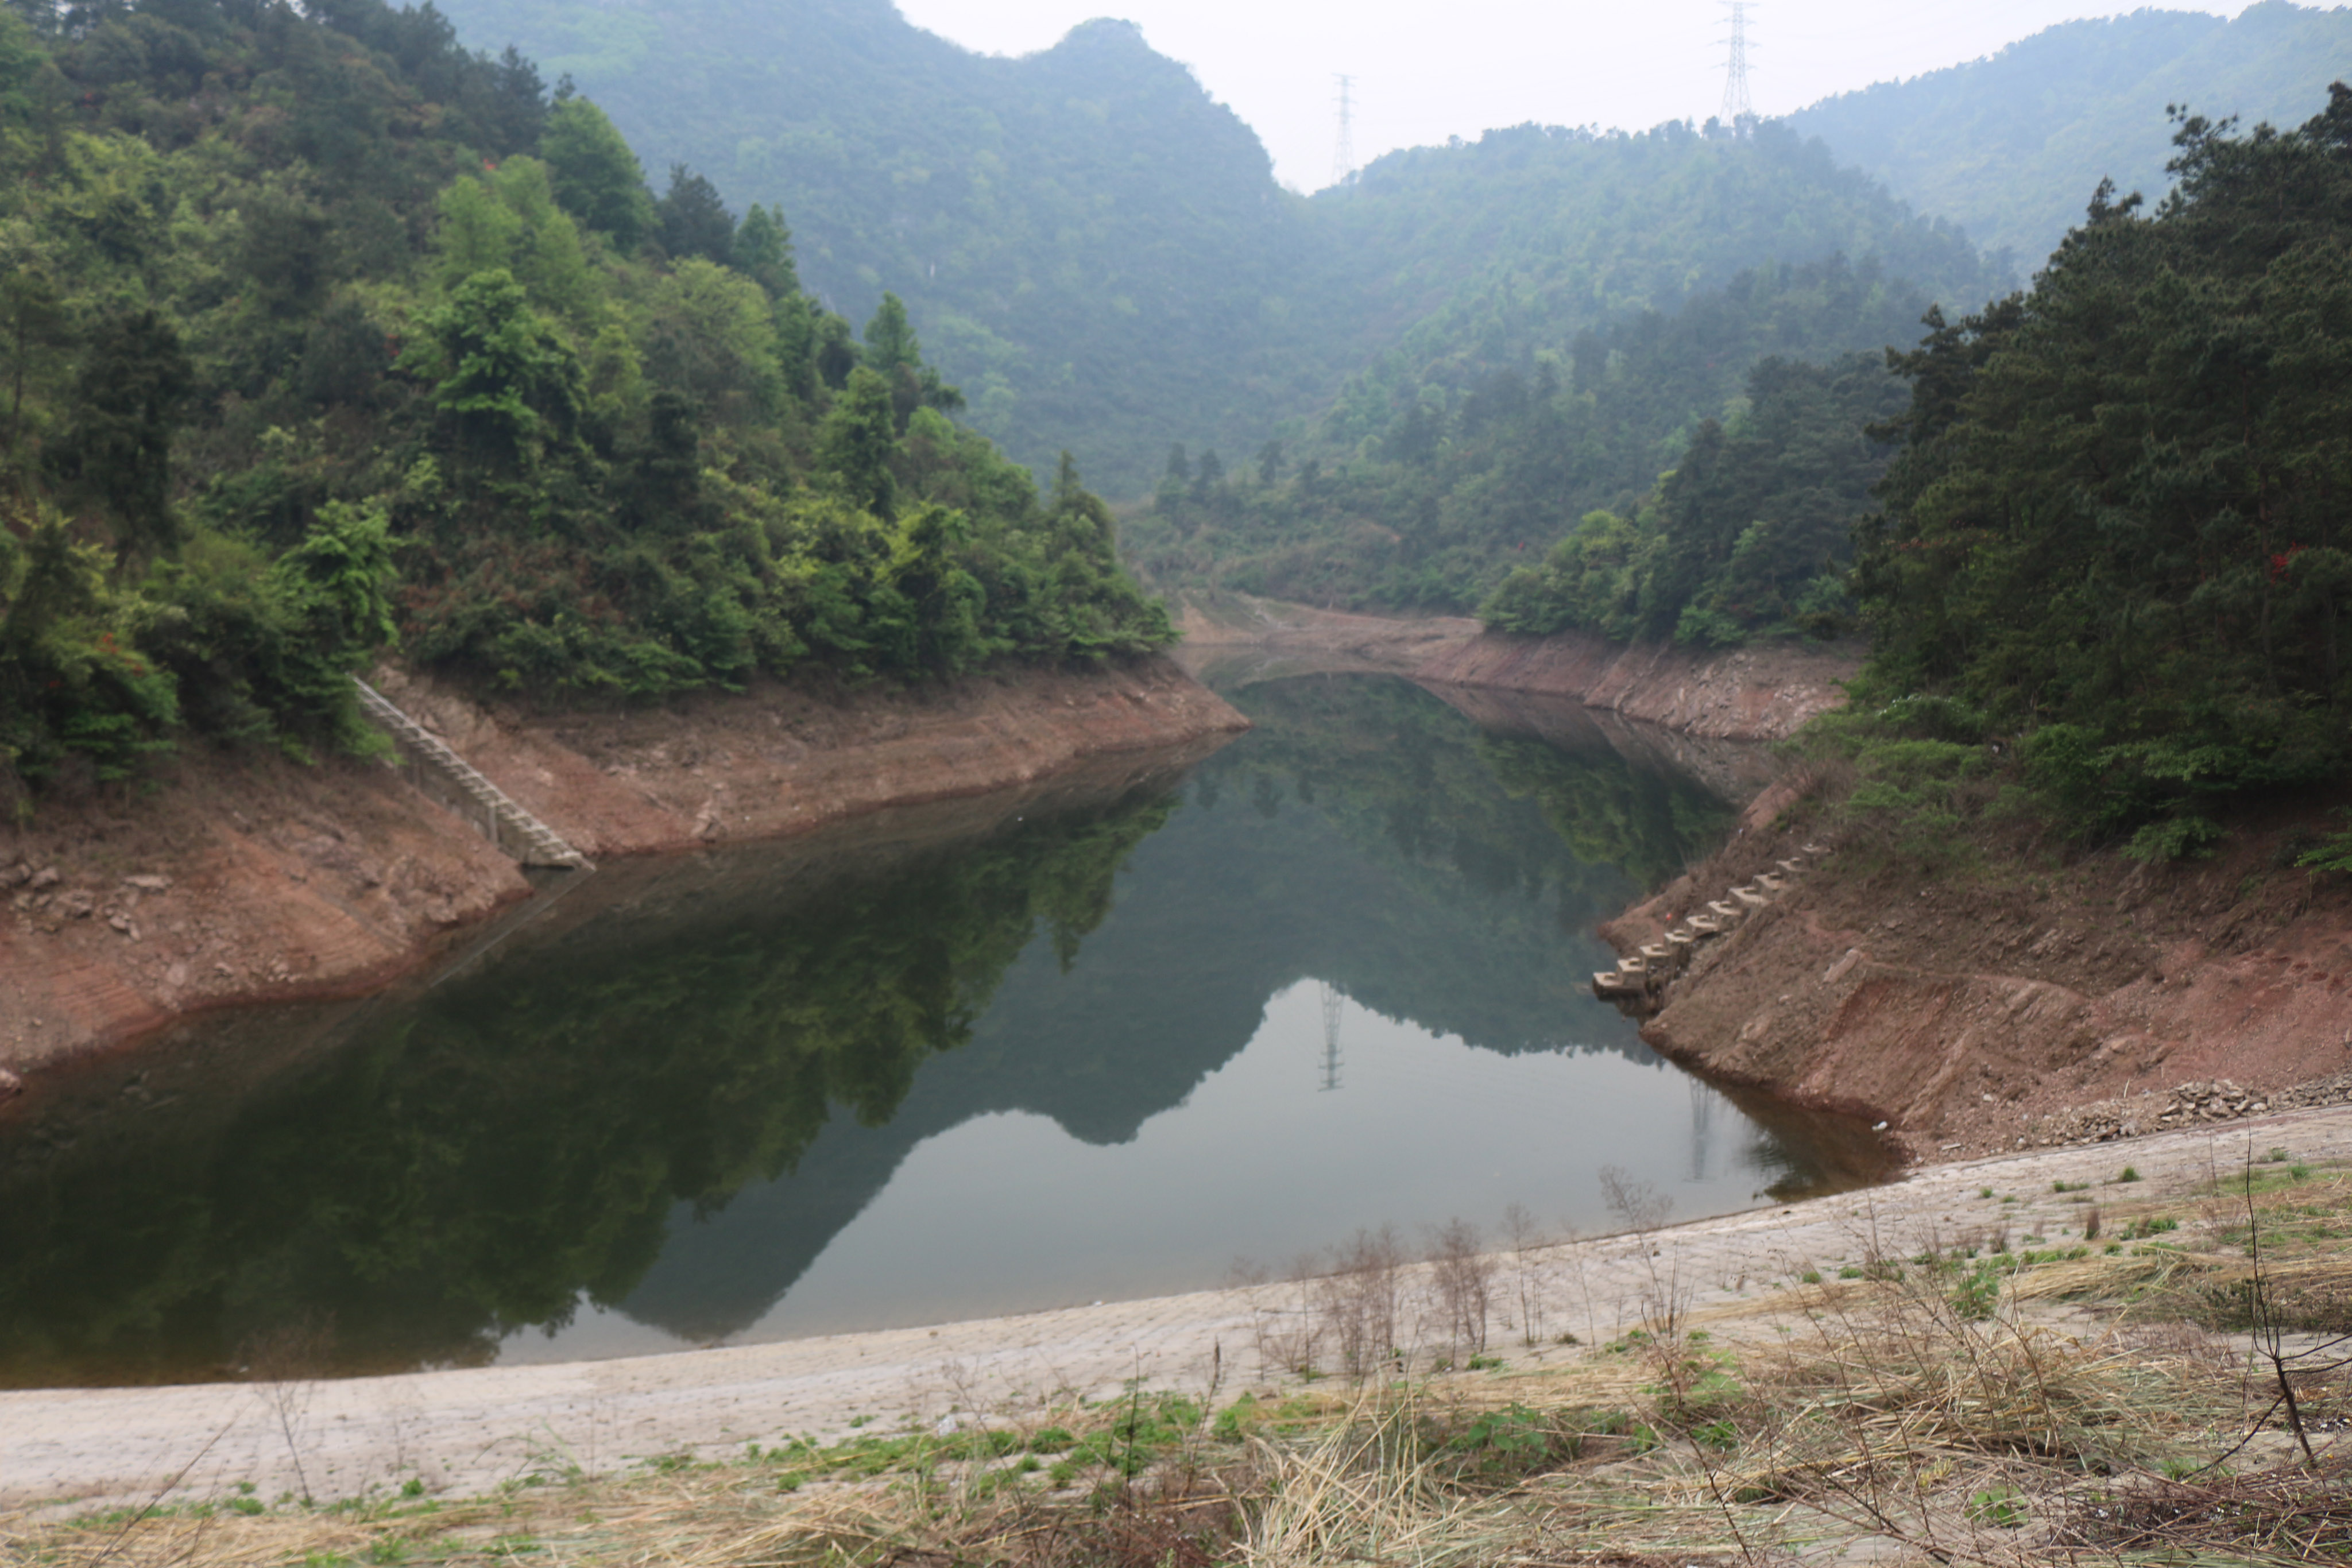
(1736, 110)
(1343, 153)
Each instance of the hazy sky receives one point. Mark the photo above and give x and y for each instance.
(1428, 71)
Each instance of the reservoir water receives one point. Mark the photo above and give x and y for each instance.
(1109, 1040)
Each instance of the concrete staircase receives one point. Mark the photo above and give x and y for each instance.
(1641, 977)
(446, 776)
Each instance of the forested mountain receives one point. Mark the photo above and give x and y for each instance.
(1568, 307)
(2114, 529)
(2010, 146)
(1098, 252)
(321, 333)
(1465, 482)
(1092, 245)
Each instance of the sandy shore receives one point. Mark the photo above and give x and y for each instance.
(466, 1430)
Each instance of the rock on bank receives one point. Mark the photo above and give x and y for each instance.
(1748, 693)
(242, 879)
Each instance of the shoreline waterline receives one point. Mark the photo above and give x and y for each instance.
(466, 1430)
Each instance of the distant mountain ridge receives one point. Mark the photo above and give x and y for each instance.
(2011, 147)
(1097, 251)
(1053, 221)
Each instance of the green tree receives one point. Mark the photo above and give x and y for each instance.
(945, 599)
(857, 442)
(890, 344)
(510, 221)
(594, 175)
(127, 401)
(74, 682)
(763, 252)
(510, 383)
(692, 219)
(32, 319)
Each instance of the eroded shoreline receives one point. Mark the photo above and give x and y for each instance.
(248, 879)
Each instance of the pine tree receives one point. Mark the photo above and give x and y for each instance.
(693, 219)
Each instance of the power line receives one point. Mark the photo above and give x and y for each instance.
(1736, 109)
(1343, 155)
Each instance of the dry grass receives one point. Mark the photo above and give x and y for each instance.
(2072, 1407)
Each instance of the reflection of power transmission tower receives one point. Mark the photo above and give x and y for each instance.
(1333, 998)
(1702, 1099)
(1736, 110)
(1343, 153)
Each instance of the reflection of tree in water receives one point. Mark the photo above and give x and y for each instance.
(1412, 780)
(519, 1136)
(1606, 811)
(478, 1158)
(1508, 848)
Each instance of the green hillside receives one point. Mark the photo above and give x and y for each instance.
(1098, 250)
(1477, 469)
(323, 334)
(1092, 245)
(1566, 309)
(2010, 147)
(2113, 533)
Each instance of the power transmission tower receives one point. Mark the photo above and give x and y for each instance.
(1332, 998)
(1737, 110)
(1343, 155)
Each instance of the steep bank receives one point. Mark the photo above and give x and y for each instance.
(2024, 994)
(249, 879)
(1735, 772)
(1238, 639)
(1763, 693)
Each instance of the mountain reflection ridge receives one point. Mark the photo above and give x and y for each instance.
(685, 1094)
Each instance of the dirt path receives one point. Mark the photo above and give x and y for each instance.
(468, 1430)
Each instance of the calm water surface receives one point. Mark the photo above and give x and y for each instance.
(1332, 977)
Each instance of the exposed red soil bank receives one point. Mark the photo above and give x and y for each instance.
(2024, 999)
(1240, 639)
(1748, 693)
(249, 879)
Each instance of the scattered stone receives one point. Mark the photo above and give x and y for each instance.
(47, 877)
(16, 876)
(2221, 1100)
(149, 883)
(10, 1084)
(78, 905)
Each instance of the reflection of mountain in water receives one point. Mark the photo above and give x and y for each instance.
(675, 1093)
(1360, 837)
